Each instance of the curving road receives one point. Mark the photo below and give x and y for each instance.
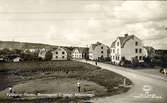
(156, 86)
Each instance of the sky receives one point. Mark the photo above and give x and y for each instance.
(82, 22)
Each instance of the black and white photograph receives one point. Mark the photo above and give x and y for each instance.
(83, 51)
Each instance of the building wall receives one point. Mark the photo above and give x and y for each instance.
(100, 50)
(42, 53)
(58, 54)
(76, 54)
(116, 52)
(128, 51)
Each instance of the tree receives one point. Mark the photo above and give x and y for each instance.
(48, 55)
(135, 61)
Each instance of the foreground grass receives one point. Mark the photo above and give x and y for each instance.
(46, 75)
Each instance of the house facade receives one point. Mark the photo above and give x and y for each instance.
(60, 54)
(127, 47)
(80, 53)
(98, 51)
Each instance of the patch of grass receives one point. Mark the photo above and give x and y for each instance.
(53, 76)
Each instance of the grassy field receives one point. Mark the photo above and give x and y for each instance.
(60, 76)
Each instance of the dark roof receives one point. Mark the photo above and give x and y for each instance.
(81, 50)
(12, 56)
(113, 44)
(96, 44)
(123, 40)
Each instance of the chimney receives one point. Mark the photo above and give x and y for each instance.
(126, 35)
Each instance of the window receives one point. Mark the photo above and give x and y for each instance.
(140, 58)
(117, 43)
(136, 43)
(56, 56)
(63, 57)
(140, 50)
(113, 50)
(113, 57)
(136, 50)
(136, 57)
(102, 52)
(56, 52)
(101, 47)
(62, 52)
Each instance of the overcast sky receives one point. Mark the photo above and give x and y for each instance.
(82, 22)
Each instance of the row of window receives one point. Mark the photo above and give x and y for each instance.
(77, 56)
(113, 51)
(138, 50)
(115, 57)
(62, 57)
(118, 58)
(139, 57)
(62, 52)
(136, 43)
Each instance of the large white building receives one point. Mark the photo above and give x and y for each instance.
(60, 54)
(127, 47)
(97, 51)
(80, 53)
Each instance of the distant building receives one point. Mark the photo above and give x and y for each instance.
(42, 53)
(61, 54)
(12, 58)
(1, 58)
(33, 50)
(127, 47)
(17, 59)
(98, 51)
(80, 53)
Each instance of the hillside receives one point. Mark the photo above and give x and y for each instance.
(26, 45)
(22, 45)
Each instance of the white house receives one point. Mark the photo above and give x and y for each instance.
(17, 59)
(42, 53)
(97, 51)
(127, 47)
(60, 54)
(80, 53)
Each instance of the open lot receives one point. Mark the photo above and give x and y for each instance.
(59, 76)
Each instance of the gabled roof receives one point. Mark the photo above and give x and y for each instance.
(81, 50)
(66, 49)
(123, 40)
